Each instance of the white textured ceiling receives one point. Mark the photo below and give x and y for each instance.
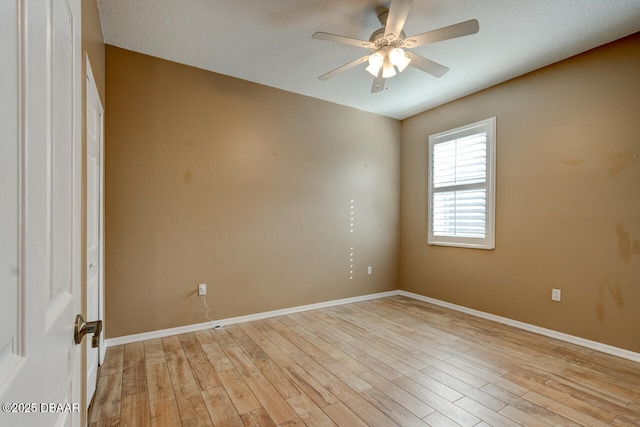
(269, 42)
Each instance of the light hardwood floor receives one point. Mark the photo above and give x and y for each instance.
(386, 362)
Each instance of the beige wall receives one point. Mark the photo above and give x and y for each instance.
(210, 179)
(568, 200)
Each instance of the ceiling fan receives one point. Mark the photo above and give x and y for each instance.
(387, 45)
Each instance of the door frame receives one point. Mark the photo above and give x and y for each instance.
(92, 95)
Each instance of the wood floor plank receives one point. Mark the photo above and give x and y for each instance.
(386, 348)
(384, 362)
(182, 376)
(604, 383)
(437, 419)
(113, 362)
(224, 339)
(437, 402)
(164, 414)
(252, 349)
(239, 392)
(261, 326)
(133, 350)
(470, 375)
(343, 416)
(134, 377)
(584, 406)
(106, 422)
(339, 340)
(528, 407)
(159, 383)
(635, 404)
(343, 373)
(242, 362)
(293, 337)
(235, 331)
(465, 389)
(275, 405)
(489, 416)
(193, 411)
(392, 409)
(596, 404)
(259, 417)
(306, 327)
(398, 394)
(204, 373)
(153, 352)
(332, 351)
(284, 344)
(564, 410)
(309, 386)
(107, 402)
(191, 346)
(220, 408)
(204, 337)
(252, 332)
(171, 344)
(314, 369)
(522, 418)
(135, 410)
(371, 415)
(436, 385)
(276, 354)
(309, 412)
(622, 422)
(278, 379)
(293, 423)
(217, 357)
(390, 332)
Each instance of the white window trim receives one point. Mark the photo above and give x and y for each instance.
(488, 242)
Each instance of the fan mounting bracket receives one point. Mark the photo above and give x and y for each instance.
(382, 13)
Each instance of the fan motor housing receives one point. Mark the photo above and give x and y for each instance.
(380, 40)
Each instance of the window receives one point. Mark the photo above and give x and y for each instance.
(462, 186)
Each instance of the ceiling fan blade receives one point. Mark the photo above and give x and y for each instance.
(398, 12)
(341, 39)
(451, 32)
(427, 65)
(344, 68)
(378, 84)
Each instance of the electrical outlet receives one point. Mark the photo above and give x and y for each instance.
(369, 270)
(202, 289)
(555, 294)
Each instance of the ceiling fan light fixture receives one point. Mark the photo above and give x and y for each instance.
(376, 60)
(399, 58)
(396, 55)
(388, 70)
(390, 60)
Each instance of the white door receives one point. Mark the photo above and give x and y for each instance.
(40, 249)
(95, 184)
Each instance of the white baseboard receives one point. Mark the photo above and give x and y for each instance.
(593, 345)
(233, 320)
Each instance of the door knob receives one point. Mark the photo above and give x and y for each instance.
(82, 328)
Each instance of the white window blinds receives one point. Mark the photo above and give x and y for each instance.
(461, 186)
